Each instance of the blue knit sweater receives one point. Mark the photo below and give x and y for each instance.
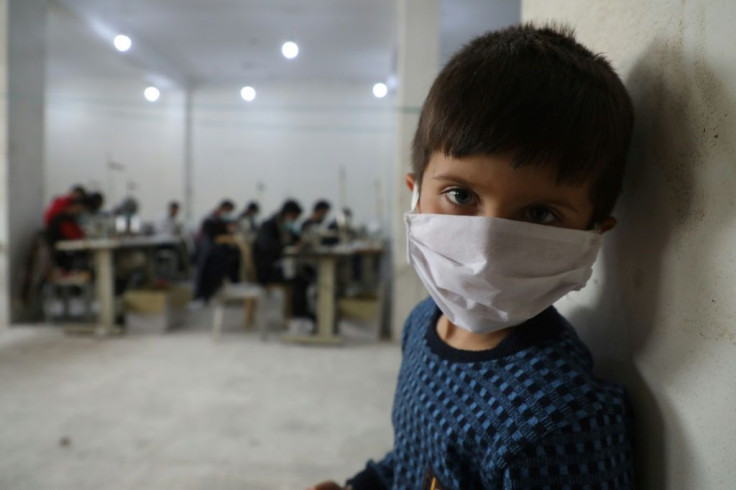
(527, 414)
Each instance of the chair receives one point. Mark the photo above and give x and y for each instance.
(172, 261)
(166, 264)
(59, 285)
(248, 291)
(248, 272)
(44, 282)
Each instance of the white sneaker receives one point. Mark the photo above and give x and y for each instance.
(301, 326)
(197, 304)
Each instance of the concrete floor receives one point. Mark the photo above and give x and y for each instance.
(179, 411)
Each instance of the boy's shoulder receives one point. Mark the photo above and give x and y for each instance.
(419, 319)
(542, 373)
(422, 312)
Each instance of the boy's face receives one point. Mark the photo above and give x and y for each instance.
(319, 215)
(291, 217)
(487, 185)
(75, 209)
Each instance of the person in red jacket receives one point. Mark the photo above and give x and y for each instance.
(64, 226)
(59, 203)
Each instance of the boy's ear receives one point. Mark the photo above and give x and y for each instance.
(607, 224)
(411, 183)
(410, 180)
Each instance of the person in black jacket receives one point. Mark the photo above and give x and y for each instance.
(310, 229)
(273, 236)
(217, 255)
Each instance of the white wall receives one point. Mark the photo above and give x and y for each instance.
(418, 59)
(22, 68)
(462, 20)
(293, 140)
(90, 122)
(659, 313)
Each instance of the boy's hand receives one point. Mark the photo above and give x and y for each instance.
(328, 485)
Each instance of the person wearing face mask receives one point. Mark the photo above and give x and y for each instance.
(517, 162)
(274, 234)
(218, 257)
(247, 224)
(64, 225)
(59, 203)
(169, 224)
(311, 229)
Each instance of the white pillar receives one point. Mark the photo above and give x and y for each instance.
(22, 82)
(188, 203)
(418, 63)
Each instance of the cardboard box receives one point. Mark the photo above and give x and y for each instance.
(359, 318)
(365, 309)
(155, 310)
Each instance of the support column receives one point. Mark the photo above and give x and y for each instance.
(418, 63)
(188, 204)
(22, 86)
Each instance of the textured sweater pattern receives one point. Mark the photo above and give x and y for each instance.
(527, 414)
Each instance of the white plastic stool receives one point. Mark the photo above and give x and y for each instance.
(239, 292)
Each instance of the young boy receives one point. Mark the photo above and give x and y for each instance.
(517, 164)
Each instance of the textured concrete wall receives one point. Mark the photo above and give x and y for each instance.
(659, 313)
(4, 269)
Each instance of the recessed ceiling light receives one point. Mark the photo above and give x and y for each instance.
(122, 43)
(152, 94)
(290, 50)
(248, 93)
(380, 90)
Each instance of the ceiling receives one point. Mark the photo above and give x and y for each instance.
(193, 42)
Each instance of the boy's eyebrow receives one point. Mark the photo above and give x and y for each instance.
(452, 178)
(563, 204)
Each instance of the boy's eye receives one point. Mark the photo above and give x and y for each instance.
(540, 214)
(460, 197)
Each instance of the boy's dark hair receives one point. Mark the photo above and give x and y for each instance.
(95, 201)
(174, 204)
(226, 203)
(76, 203)
(322, 205)
(539, 94)
(79, 189)
(252, 206)
(291, 207)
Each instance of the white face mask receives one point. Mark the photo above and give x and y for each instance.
(486, 274)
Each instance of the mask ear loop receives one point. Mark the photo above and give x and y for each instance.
(596, 228)
(415, 197)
